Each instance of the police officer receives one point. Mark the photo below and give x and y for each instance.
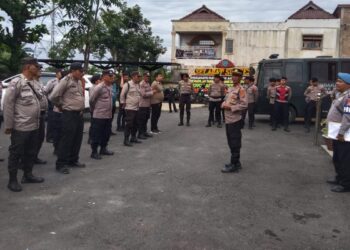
(340, 113)
(215, 92)
(121, 112)
(95, 80)
(130, 97)
(68, 96)
(271, 96)
(253, 95)
(43, 109)
(50, 114)
(311, 94)
(283, 96)
(156, 102)
(22, 115)
(186, 90)
(235, 102)
(144, 111)
(57, 119)
(171, 99)
(101, 103)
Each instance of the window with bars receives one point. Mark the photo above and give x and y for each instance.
(229, 46)
(312, 42)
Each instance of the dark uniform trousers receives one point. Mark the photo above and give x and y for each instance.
(281, 114)
(214, 107)
(310, 111)
(172, 104)
(234, 139)
(142, 119)
(71, 139)
(130, 123)
(341, 161)
(23, 150)
(185, 101)
(100, 132)
(272, 113)
(57, 129)
(41, 135)
(121, 117)
(50, 123)
(156, 112)
(251, 114)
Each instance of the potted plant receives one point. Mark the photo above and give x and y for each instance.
(328, 141)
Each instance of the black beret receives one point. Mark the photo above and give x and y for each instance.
(76, 66)
(29, 60)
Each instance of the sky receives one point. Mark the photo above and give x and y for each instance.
(161, 12)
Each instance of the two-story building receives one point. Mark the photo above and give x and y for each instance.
(203, 38)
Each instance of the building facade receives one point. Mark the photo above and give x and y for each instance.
(203, 38)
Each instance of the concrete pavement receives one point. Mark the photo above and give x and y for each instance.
(169, 193)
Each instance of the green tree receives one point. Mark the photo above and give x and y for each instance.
(21, 13)
(127, 36)
(82, 19)
(61, 51)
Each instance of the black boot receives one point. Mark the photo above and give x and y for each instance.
(188, 119)
(13, 185)
(208, 125)
(105, 151)
(148, 135)
(95, 155)
(181, 123)
(28, 177)
(142, 137)
(127, 142)
(134, 140)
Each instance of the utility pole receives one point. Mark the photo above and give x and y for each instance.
(53, 25)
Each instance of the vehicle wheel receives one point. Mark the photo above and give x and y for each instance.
(292, 114)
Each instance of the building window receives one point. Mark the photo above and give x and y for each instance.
(312, 42)
(229, 46)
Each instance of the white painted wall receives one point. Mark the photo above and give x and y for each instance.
(253, 42)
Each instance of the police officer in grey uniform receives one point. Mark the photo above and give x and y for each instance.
(68, 96)
(186, 90)
(43, 109)
(130, 97)
(22, 114)
(340, 113)
(235, 102)
(101, 105)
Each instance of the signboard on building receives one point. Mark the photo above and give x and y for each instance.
(204, 76)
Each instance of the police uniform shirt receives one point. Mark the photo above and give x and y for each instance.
(237, 99)
(21, 105)
(68, 94)
(185, 87)
(340, 112)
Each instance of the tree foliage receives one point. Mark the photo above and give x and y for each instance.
(128, 36)
(82, 18)
(21, 13)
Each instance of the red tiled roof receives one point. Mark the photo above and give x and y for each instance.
(312, 11)
(203, 14)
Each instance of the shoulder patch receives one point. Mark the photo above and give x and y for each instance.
(347, 106)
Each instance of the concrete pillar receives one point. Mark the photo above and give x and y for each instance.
(223, 46)
(173, 46)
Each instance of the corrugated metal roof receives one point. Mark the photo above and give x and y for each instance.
(203, 14)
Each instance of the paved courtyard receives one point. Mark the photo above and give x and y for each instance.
(169, 193)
